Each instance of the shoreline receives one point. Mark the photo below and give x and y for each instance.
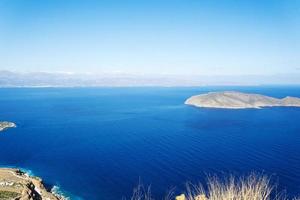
(21, 183)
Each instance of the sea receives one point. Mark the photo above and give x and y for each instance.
(100, 143)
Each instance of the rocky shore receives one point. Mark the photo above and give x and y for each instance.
(6, 125)
(239, 100)
(17, 185)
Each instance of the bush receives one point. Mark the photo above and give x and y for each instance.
(8, 195)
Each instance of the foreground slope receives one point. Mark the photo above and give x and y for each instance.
(14, 184)
(238, 100)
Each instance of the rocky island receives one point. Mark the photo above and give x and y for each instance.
(239, 100)
(6, 125)
(17, 185)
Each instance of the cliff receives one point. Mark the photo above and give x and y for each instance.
(16, 185)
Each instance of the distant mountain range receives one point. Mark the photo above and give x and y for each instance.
(61, 79)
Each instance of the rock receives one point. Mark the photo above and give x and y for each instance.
(198, 197)
(181, 197)
(25, 186)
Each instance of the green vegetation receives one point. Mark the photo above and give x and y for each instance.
(252, 187)
(5, 195)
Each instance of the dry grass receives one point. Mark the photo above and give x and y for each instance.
(141, 193)
(252, 187)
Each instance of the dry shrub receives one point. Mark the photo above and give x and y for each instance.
(252, 187)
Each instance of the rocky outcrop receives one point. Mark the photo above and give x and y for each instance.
(21, 186)
(197, 197)
(238, 100)
(6, 125)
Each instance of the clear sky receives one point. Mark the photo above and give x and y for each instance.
(151, 36)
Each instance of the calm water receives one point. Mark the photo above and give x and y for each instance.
(96, 143)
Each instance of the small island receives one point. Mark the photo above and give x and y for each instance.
(239, 100)
(6, 125)
(15, 184)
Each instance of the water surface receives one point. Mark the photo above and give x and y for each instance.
(96, 143)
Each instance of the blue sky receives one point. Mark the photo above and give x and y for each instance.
(151, 36)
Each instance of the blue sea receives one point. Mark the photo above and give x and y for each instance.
(98, 143)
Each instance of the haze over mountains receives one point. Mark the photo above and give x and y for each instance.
(64, 79)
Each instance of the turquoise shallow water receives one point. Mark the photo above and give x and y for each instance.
(96, 143)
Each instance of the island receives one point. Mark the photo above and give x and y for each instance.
(6, 125)
(15, 184)
(239, 100)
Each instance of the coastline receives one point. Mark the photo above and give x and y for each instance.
(21, 183)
